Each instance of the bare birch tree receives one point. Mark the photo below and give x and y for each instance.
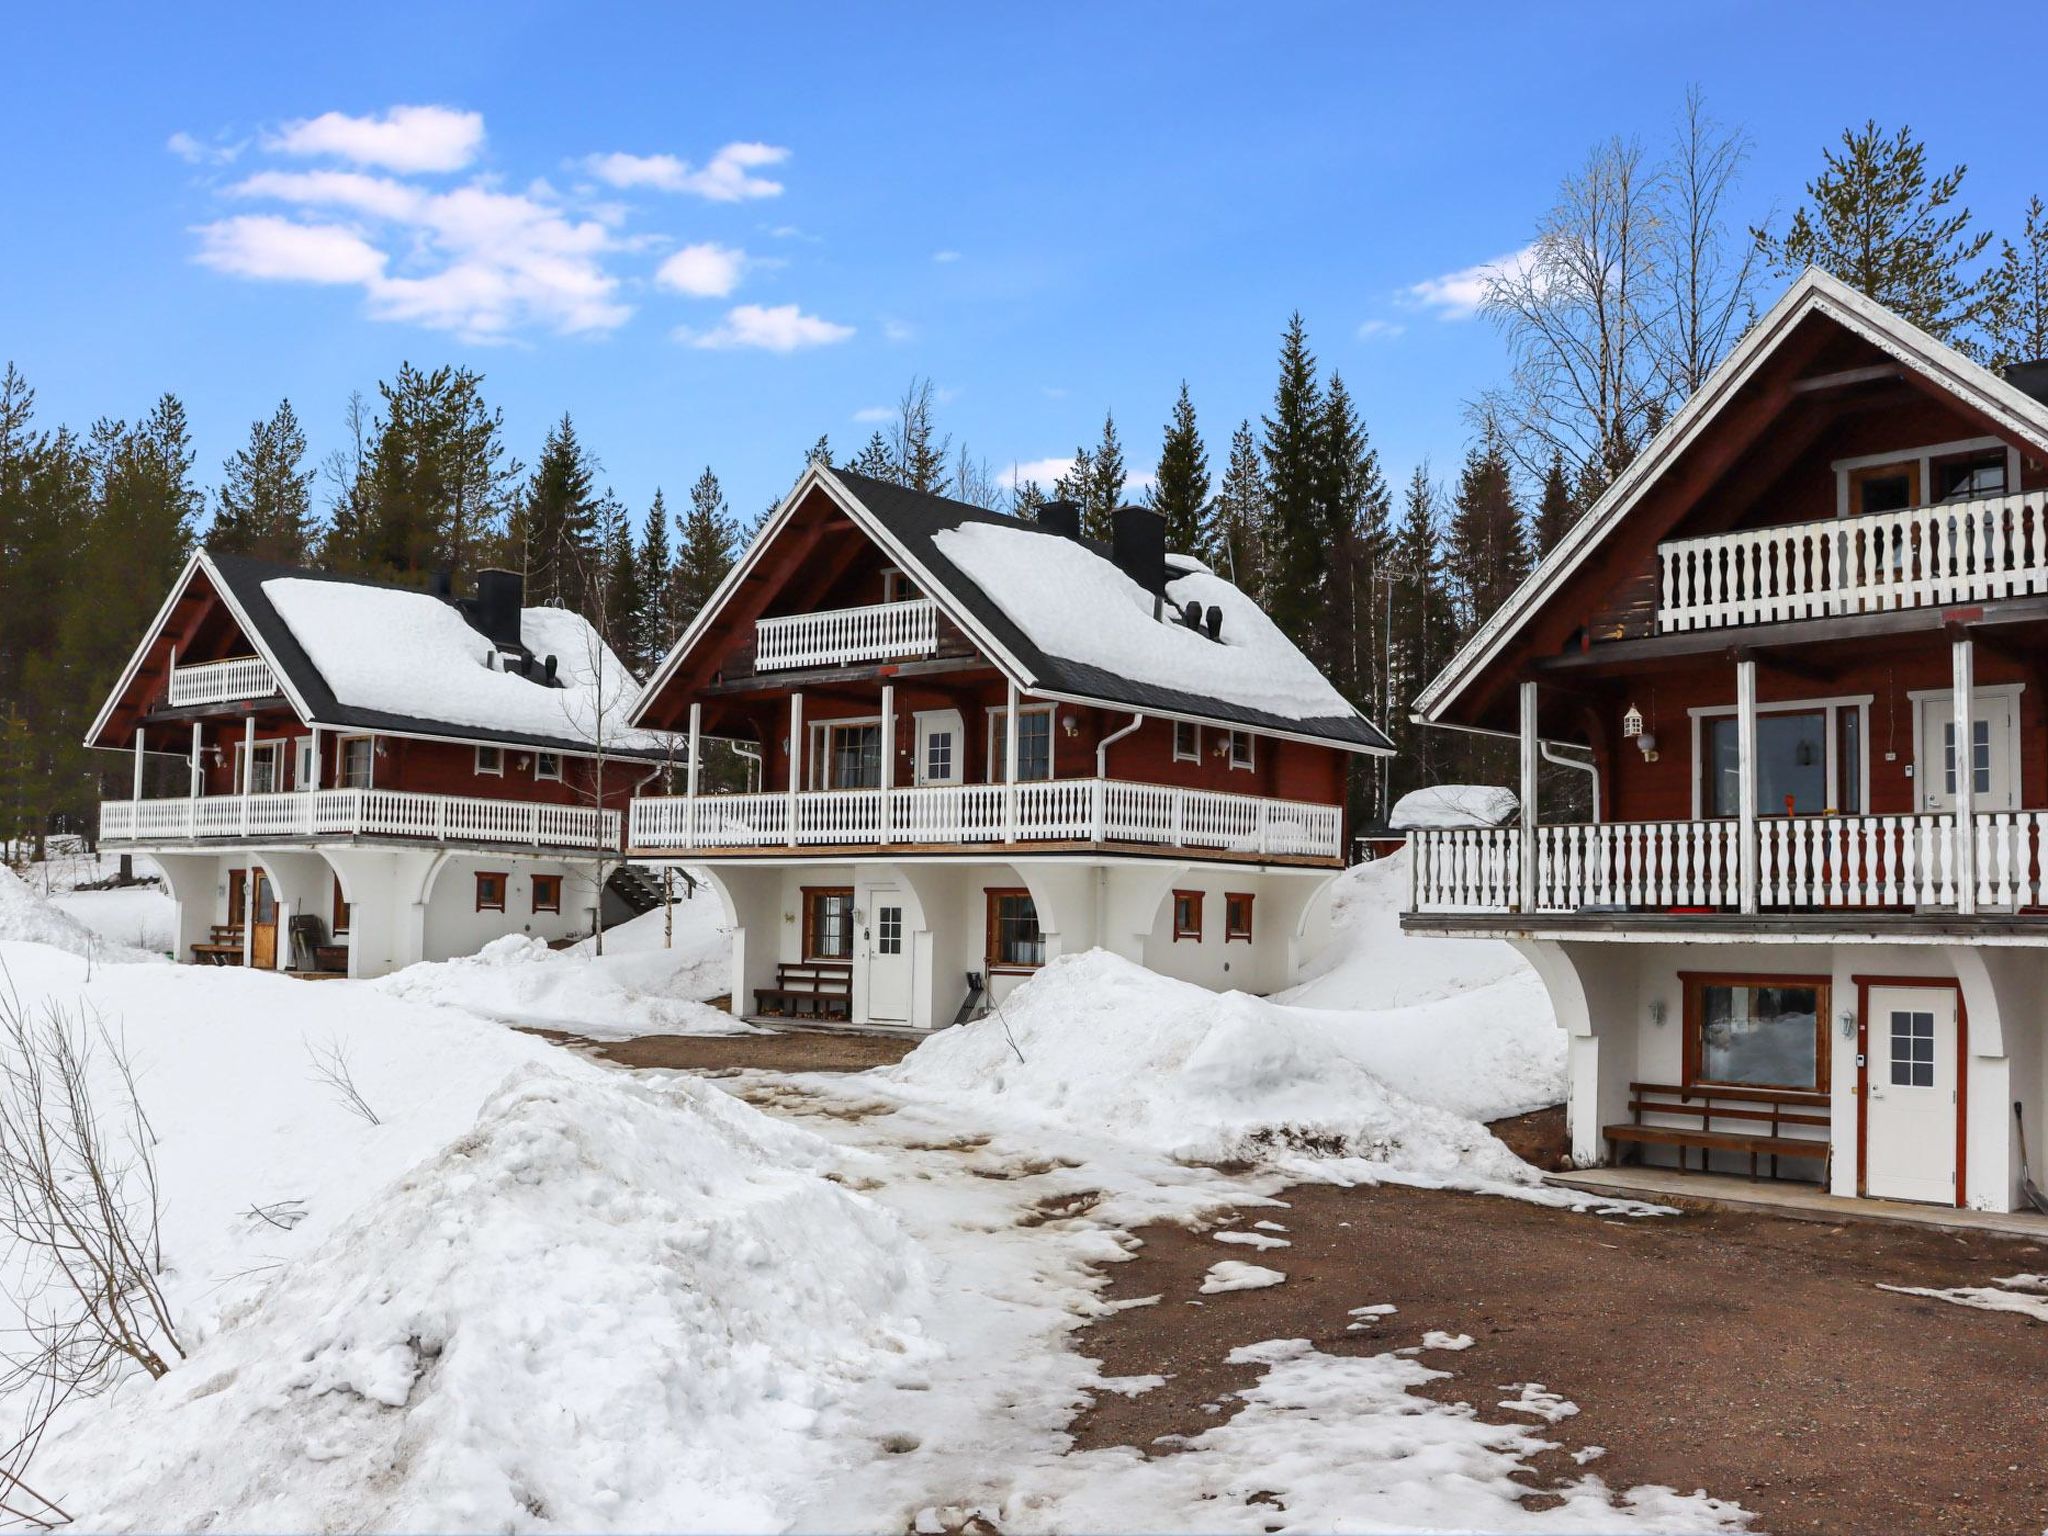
(1707, 279)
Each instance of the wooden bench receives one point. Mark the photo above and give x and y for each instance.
(1768, 1110)
(223, 946)
(814, 989)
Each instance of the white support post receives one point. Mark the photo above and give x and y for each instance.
(1529, 796)
(197, 771)
(281, 951)
(690, 780)
(249, 915)
(137, 795)
(796, 758)
(313, 761)
(248, 767)
(887, 780)
(1747, 851)
(1963, 660)
(1010, 762)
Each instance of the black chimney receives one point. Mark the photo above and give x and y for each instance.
(1191, 616)
(1063, 517)
(441, 584)
(1215, 624)
(499, 597)
(1138, 545)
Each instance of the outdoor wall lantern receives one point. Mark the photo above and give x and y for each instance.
(1632, 730)
(1070, 725)
(1848, 1022)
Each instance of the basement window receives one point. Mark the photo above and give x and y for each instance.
(490, 891)
(547, 893)
(1237, 916)
(1014, 942)
(1187, 916)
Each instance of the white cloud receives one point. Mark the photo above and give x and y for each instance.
(945, 256)
(279, 250)
(777, 328)
(403, 139)
(1370, 329)
(1457, 295)
(727, 177)
(194, 151)
(898, 330)
(705, 271)
(874, 413)
(1044, 471)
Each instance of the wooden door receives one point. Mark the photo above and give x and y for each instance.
(263, 926)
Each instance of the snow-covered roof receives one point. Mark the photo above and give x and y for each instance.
(1454, 805)
(405, 653)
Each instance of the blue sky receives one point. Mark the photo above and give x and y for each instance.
(713, 235)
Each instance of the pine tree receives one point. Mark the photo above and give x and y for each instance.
(1876, 220)
(2018, 322)
(1233, 542)
(1076, 482)
(1555, 511)
(1357, 514)
(264, 506)
(1421, 633)
(1026, 497)
(555, 530)
(345, 546)
(708, 548)
(875, 461)
(819, 452)
(916, 449)
(1487, 551)
(656, 626)
(1180, 493)
(1297, 483)
(616, 607)
(1103, 490)
(438, 479)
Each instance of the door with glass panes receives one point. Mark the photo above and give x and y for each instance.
(1992, 769)
(885, 956)
(1912, 1094)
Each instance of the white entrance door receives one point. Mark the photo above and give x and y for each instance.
(1911, 1095)
(1993, 760)
(941, 742)
(885, 957)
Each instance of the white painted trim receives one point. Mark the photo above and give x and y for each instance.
(1923, 453)
(1251, 751)
(995, 712)
(1813, 292)
(1924, 457)
(478, 768)
(1831, 708)
(1194, 755)
(540, 775)
(341, 758)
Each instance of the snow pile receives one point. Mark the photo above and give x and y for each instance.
(409, 653)
(608, 1304)
(27, 918)
(1198, 1076)
(1073, 603)
(635, 988)
(138, 916)
(1455, 805)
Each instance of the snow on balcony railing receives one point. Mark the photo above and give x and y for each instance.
(218, 682)
(1056, 810)
(842, 636)
(362, 813)
(1960, 552)
(1802, 863)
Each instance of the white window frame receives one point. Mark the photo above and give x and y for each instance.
(1860, 702)
(1192, 754)
(820, 750)
(897, 587)
(341, 746)
(302, 762)
(540, 758)
(996, 759)
(1251, 750)
(1925, 457)
(497, 768)
(272, 744)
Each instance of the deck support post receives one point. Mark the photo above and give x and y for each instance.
(1527, 892)
(1747, 850)
(1963, 659)
(796, 758)
(887, 779)
(1010, 762)
(691, 780)
(313, 762)
(248, 766)
(197, 771)
(137, 795)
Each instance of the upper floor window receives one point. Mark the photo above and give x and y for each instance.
(1966, 477)
(358, 754)
(1034, 743)
(1884, 488)
(897, 587)
(490, 760)
(1241, 749)
(1187, 742)
(852, 754)
(1905, 478)
(547, 765)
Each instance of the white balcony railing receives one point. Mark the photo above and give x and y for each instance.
(361, 813)
(843, 636)
(1056, 810)
(218, 682)
(1960, 552)
(1805, 862)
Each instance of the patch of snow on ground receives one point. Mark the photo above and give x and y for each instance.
(135, 916)
(27, 917)
(2024, 1294)
(1235, 1275)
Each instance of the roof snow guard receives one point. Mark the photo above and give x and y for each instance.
(1064, 618)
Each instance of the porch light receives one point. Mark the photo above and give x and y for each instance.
(1632, 723)
(1070, 725)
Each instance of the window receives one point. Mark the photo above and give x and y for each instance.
(1237, 916)
(547, 893)
(547, 765)
(1791, 764)
(828, 923)
(490, 760)
(490, 892)
(897, 587)
(340, 909)
(1756, 1031)
(1240, 749)
(302, 764)
(853, 756)
(238, 895)
(1187, 742)
(1034, 744)
(1912, 1049)
(1884, 487)
(1980, 757)
(358, 754)
(888, 930)
(1187, 916)
(1014, 942)
(938, 757)
(263, 766)
(1968, 476)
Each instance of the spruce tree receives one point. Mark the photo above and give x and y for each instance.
(616, 607)
(707, 549)
(1297, 487)
(1487, 551)
(1357, 528)
(2018, 322)
(1421, 633)
(264, 506)
(1555, 510)
(1076, 483)
(555, 529)
(875, 461)
(1877, 221)
(1180, 493)
(1233, 542)
(438, 479)
(916, 450)
(819, 452)
(656, 625)
(1026, 497)
(1103, 490)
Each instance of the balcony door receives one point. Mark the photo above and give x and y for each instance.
(941, 746)
(1993, 752)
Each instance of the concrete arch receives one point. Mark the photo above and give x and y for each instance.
(192, 881)
(1134, 896)
(1592, 990)
(1995, 987)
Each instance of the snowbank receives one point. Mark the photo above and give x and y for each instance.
(138, 916)
(608, 1305)
(27, 918)
(1073, 603)
(1455, 805)
(1198, 1076)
